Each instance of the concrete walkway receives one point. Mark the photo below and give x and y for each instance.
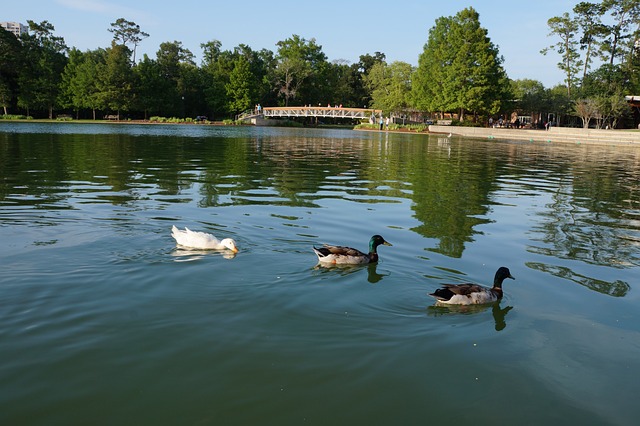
(554, 134)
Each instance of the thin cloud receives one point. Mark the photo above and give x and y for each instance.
(110, 9)
(86, 5)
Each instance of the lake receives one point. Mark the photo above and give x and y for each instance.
(103, 320)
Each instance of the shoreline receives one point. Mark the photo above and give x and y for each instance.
(564, 135)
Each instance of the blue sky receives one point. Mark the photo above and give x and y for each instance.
(345, 29)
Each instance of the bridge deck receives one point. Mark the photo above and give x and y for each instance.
(335, 112)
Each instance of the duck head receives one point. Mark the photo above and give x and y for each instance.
(230, 244)
(501, 274)
(376, 241)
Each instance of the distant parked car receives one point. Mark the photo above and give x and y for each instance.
(201, 118)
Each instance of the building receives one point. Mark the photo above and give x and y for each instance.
(15, 27)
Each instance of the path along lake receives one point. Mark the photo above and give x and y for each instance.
(104, 321)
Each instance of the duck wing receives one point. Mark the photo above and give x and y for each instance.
(339, 251)
(464, 289)
(342, 255)
(449, 291)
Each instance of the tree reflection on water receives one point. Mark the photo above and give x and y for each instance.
(616, 288)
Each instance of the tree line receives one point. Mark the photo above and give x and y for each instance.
(459, 73)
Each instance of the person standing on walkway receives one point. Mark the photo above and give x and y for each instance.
(381, 121)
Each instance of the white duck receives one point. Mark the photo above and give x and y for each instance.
(201, 240)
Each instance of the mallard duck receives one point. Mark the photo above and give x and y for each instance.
(348, 255)
(201, 240)
(472, 294)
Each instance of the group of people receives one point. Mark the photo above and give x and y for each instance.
(382, 122)
(501, 123)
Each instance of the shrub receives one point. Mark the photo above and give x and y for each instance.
(15, 117)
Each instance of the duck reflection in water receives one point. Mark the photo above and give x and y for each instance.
(188, 255)
(372, 272)
(498, 312)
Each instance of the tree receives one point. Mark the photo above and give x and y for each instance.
(239, 88)
(624, 13)
(115, 79)
(565, 28)
(586, 109)
(291, 73)
(173, 60)
(460, 68)
(45, 60)
(611, 109)
(530, 97)
(358, 93)
(79, 86)
(390, 86)
(301, 70)
(10, 60)
(431, 89)
(607, 87)
(558, 103)
(127, 32)
(258, 80)
(589, 20)
(152, 88)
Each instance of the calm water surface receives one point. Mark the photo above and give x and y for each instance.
(104, 321)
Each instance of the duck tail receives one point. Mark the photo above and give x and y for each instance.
(318, 252)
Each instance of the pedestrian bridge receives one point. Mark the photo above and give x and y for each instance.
(309, 111)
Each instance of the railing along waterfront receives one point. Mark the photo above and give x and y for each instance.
(328, 111)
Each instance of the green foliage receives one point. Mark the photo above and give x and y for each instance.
(567, 47)
(301, 66)
(127, 32)
(239, 86)
(44, 61)
(390, 86)
(10, 61)
(460, 69)
(158, 119)
(14, 117)
(115, 79)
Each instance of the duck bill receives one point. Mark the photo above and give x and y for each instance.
(386, 243)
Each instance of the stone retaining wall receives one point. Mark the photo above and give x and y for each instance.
(554, 134)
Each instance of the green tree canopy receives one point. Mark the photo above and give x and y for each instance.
(390, 86)
(127, 32)
(460, 68)
(79, 86)
(567, 47)
(300, 69)
(115, 79)
(44, 62)
(10, 65)
(239, 87)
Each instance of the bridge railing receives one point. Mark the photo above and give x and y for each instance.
(333, 112)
